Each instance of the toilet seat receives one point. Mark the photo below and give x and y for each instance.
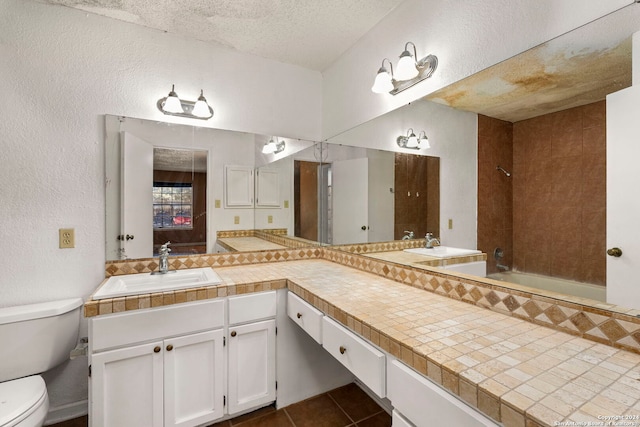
(23, 402)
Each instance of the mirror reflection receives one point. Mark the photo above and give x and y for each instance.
(521, 149)
(184, 184)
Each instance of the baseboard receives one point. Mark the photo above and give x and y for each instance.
(67, 412)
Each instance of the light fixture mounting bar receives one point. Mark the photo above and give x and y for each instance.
(426, 66)
(187, 106)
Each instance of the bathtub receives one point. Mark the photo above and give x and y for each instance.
(569, 287)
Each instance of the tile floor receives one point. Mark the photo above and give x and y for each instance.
(344, 406)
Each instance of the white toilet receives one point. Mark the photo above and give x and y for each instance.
(33, 338)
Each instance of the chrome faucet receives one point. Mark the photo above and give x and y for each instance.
(163, 257)
(408, 235)
(430, 241)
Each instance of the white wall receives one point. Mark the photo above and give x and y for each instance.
(466, 38)
(61, 71)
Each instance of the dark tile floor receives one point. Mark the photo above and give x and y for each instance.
(344, 406)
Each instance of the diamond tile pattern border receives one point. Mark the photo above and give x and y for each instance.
(607, 327)
(615, 329)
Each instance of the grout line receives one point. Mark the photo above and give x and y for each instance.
(340, 407)
(372, 415)
(289, 417)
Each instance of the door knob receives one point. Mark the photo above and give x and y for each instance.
(169, 347)
(616, 252)
(299, 315)
(233, 333)
(342, 349)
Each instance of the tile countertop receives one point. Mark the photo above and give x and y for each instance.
(416, 260)
(516, 372)
(250, 244)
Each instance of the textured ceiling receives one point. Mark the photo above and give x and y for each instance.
(574, 69)
(308, 33)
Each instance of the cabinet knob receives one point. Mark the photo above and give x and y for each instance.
(342, 349)
(169, 347)
(233, 333)
(615, 252)
(156, 349)
(299, 315)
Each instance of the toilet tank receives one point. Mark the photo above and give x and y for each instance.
(36, 337)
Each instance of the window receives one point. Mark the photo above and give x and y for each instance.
(172, 205)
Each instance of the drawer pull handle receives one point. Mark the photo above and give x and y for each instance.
(169, 347)
(299, 315)
(233, 333)
(342, 349)
(156, 349)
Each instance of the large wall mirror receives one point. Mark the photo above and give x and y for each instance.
(181, 183)
(576, 69)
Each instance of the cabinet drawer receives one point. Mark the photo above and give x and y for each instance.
(252, 307)
(360, 357)
(305, 315)
(426, 404)
(397, 420)
(137, 326)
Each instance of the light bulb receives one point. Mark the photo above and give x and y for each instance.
(383, 82)
(172, 104)
(201, 108)
(406, 69)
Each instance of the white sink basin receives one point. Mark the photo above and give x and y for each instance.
(443, 252)
(145, 283)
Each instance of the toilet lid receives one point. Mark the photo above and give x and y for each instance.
(17, 397)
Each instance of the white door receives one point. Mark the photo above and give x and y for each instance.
(193, 379)
(350, 195)
(137, 197)
(623, 203)
(126, 387)
(252, 365)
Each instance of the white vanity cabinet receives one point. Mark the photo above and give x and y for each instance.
(157, 367)
(418, 401)
(251, 351)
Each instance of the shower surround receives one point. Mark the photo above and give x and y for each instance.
(557, 191)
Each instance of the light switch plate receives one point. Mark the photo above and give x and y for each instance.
(450, 224)
(217, 203)
(236, 219)
(270, 219)
(286, 204)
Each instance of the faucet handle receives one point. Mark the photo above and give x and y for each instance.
(428, 236)
(164, 249)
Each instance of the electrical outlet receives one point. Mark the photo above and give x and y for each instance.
(450, 224)
(236, 219)
(270, 219)
(218, 203)
(67, 238)
(286, 204)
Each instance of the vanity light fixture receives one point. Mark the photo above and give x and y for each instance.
(273, 146)
(174, 106)
(410, 140)
(409, 72)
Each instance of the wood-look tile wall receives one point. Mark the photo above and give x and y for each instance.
(555, 200)
(495, 194)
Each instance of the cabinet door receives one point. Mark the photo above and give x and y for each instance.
(193, 379)
(126, 387)
(268, 188)
(238, 186)
(252, 379)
